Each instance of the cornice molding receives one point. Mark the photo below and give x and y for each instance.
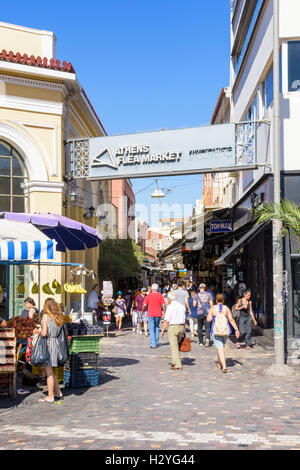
(30, 104)
(45, 186)
(34, 83)
(38, 71)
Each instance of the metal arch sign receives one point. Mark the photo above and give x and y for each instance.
(206, 149)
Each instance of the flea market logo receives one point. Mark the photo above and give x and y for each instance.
(141, 154)
(132, 155)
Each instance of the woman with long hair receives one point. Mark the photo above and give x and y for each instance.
(52, 322)
(246, 317)
(221, 316)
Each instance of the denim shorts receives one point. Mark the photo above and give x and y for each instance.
(219, 341)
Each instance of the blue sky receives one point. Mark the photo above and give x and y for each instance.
(145, 64)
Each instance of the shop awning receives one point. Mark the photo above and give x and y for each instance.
(68, 233)
(242, 241)
(20, 241)
(27, 250)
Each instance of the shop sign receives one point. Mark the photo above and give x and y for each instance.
(183, 151)
(220, 226)
(106, 318)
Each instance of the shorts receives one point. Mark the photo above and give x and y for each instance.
(119, 314)
(219, 341)
(139, 316)
(145, 316)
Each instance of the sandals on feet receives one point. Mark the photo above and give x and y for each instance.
(46, 399)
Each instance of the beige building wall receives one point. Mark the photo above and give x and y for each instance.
(40, 109)
(27, 40)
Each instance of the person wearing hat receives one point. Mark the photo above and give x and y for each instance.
(155, 303)
(204, 304)
(121, 310)
(141, 317)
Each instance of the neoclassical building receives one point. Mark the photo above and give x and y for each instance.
(42, 106)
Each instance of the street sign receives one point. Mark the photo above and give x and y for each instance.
(183, 151)
(220, 226)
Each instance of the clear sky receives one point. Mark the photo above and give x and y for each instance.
(144, 64)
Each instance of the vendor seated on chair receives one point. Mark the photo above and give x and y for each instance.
(30, 309)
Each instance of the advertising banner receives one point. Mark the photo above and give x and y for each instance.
(167, 152)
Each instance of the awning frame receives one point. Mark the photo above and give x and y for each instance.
(245, 238)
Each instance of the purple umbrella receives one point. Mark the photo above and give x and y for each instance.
(67, 232)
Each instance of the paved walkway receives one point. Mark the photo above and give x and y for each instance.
(142, 404)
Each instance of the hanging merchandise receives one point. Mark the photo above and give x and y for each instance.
(35, 289)
(56, 285)
(47, 290)
(21, 288)
(72, 288)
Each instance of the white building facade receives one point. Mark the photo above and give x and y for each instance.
(249, 98)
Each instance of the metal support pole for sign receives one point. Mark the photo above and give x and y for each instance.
(279, 368)
(39, 293)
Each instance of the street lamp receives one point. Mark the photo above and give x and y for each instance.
(157, 192)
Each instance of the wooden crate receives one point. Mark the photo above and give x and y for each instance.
(8, 360)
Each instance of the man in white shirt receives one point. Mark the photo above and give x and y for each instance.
(175, 322)
(93, 298)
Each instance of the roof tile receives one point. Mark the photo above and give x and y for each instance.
(38, 62)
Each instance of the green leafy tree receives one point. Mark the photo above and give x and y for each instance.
(118, 259)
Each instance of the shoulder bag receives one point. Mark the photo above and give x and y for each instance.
(62, 346)
(40, 354)
(205, 308)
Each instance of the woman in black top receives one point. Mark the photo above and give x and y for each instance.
(244, 306)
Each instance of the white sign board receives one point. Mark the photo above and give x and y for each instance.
(184, 151)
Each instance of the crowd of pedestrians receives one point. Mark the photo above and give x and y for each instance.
(208, 314)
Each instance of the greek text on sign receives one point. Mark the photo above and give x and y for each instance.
(162, 153)
(220, 226)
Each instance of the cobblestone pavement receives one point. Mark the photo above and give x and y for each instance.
(142, 404)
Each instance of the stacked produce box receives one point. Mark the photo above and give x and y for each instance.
(8, 361)
(82, 368)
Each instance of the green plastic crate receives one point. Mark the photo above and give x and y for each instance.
(81, 344)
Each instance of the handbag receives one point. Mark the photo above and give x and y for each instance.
(185, 344)
(40, 354)
(235, 313)
(205, 308)
(29, 349)
(62, 346)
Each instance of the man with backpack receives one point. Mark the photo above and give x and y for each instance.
(204, 303)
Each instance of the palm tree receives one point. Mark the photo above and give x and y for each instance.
(287, 212)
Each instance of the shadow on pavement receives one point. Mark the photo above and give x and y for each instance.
(188, 361)
(117, 361)
(233, 362)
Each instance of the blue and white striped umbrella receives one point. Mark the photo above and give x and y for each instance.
(27, 250)
(21, 242)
